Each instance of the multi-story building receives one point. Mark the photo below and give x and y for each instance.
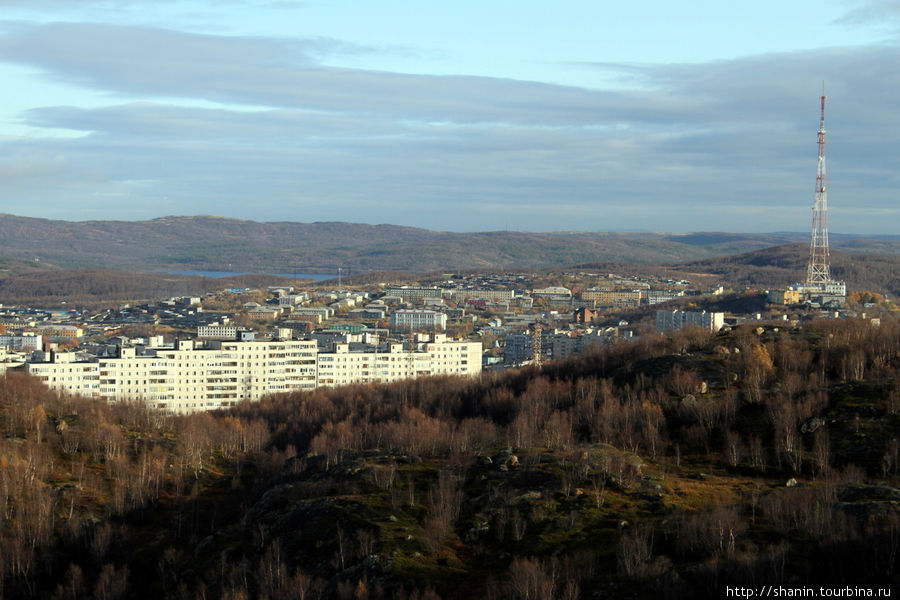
(660, 296)
(414, 292)
(58, 330)
(416, 320)
(317, 314)
(264, 313)
(553, 293)
(492, 295)
(366, 313)
(669, 320)
(26, 343)
(620, 298)
(189, 376)
(428, 355)
(788, 296)
(556, 344)
(217, 331)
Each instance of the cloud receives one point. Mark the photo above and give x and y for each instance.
(722, 145)
(879, 12)
(159, 63)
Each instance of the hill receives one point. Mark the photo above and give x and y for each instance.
(23, 283)
(671, 466)
(780, 266)
(214, 243)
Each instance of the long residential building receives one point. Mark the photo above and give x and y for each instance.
(189, 377)
(670, 320)
(621, 298)
(413, 320)
(408, 292)
(393, 362)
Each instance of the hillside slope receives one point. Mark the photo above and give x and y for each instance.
(214, 243)
(667, 467)
(780, 266)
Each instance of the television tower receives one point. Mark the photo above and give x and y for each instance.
(818, 272)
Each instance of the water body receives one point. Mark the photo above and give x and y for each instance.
(219, 274)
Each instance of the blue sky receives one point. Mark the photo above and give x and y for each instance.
(464, 116)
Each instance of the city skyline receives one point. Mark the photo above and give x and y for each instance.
(461, 118)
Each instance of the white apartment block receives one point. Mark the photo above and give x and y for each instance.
(186, 377)
(669, 320)
(492, 295)
(393, 362)
(660, 296)
(217, 331)
(26, 343)
(553, 293)
(613, 297)
(413, 292)
(189, 377)
(414, 320)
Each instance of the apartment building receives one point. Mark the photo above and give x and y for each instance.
(429, 355)
(187, 376)
(660, 296)
(413, 320)
(492, 295)
(25, 343)
(414, 292)
(612, 298)
(217, 331)
(58, 330)
(316, 314)
(191, 376)
(669, 320)
(553, 293)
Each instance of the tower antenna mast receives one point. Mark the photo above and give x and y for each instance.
(818, 272)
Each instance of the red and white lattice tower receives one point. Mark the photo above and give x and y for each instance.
(818, 272)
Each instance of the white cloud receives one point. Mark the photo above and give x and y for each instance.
(259, 128)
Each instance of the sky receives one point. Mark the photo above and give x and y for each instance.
(576, 115)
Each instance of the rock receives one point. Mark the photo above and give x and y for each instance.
(855, 493)
(506, 459)
(530, 496)
(651, 486)
(704, 387)
(812, 424)
(480, 529)
(791, 482)
(485, 460)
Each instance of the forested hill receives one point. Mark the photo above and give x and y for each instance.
(669, 467)
(783, 265)
(214, 243)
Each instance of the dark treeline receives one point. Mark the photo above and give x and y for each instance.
(671, 465)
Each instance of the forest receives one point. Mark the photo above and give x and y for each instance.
(670, 466)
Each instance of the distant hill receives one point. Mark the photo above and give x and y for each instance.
(215, 243)
(779, 266)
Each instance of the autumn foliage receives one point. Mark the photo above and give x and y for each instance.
(654, 467)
